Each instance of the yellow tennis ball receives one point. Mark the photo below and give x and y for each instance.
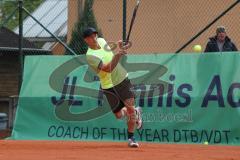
(197, 48)
(206, 143)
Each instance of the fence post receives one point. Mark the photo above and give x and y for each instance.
(13, 102)
(20, 42)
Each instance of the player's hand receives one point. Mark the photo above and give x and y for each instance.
(122, 52)
(123, 46)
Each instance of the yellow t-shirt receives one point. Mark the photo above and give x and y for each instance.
(95, 57)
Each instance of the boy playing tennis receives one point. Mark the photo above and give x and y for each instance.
(114, 81)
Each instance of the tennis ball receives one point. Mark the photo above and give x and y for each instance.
(197, 48)
(205, 143)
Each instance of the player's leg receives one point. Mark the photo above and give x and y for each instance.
(121, 100)
(121, 114)
(132, 118)
(126, 95)
(131, 114)
(127, 98)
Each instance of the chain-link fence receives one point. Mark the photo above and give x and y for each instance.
(161, 26)
(164, 26)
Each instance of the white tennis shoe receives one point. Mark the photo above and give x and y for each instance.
(132, 143)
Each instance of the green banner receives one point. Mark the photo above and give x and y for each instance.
(185, 98)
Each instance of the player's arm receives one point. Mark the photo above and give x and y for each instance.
(111, 65)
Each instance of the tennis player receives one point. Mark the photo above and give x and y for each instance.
(114, 81)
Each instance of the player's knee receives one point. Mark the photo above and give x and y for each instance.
(131, 110)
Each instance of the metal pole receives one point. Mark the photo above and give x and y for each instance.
(13, 102)
(208, 26)
(58, 39)
(20, 43)
(124, 34)
(12, 49)
(80, 8)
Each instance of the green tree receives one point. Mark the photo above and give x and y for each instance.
(7, 7)
(87, 19)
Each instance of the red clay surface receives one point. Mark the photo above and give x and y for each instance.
(66, 150)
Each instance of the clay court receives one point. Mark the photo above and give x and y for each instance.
(69, 150)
